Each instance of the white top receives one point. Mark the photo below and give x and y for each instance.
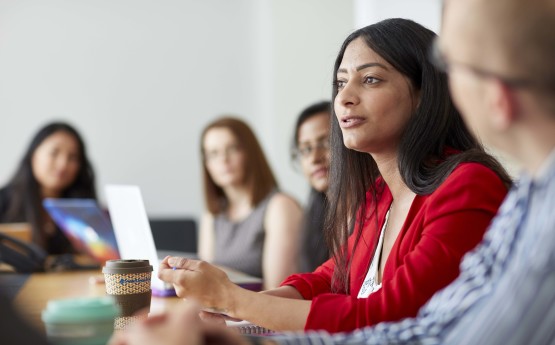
(370, 283)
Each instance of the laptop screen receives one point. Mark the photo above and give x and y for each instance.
(132, 229)
(87, 227)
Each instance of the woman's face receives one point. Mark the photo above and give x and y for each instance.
(374, 101)
(313, 148)
(224, 158)
(56, 162)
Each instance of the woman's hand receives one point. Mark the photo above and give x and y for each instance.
(210, 287)
(180, 326)
(199, 281)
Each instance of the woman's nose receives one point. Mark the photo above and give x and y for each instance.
(348, 95)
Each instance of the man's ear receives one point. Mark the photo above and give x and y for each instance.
(503, 104)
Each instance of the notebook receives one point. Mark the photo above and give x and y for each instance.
(134, 237)
(86, 225)
(245, 327)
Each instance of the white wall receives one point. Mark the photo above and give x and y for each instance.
(425, 12)
(306, 37)
(141, 78)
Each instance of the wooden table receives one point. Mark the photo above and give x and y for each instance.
(42, 287)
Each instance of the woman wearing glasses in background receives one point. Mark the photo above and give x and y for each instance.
(311, 150)
(249, 225)
(406, 175)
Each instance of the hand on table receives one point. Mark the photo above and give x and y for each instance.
(199, 281)
(181, 326)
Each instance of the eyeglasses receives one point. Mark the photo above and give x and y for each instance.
(440, 61)
(305, 150)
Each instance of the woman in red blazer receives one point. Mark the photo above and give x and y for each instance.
(438, 230)
(411, 191)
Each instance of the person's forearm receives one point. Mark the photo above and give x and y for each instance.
(263, 309)
(284, 291)
(211, 287)
(277, 274)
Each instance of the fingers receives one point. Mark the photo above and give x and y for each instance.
(164, 264)
(169, 275)
(181, 263)
(176, 262)
(206, 315)
(171, 263)
(167, 267)
(118, 338)
(229, 318)
(195, 279)
(212, 318)
(188, 310)
(154, 319)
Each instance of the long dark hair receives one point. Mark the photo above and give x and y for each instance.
(314, 249)
(259, 178)
(434, 127)
(24, 189)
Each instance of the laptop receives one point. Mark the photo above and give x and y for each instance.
(132, 231)
(135, 241)
(90, 230)
(86, 225)
(126, 235)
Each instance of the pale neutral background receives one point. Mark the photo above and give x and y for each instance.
(140, 79)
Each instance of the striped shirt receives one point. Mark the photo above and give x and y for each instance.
(505, 293)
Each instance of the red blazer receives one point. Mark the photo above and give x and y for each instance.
(440, 228)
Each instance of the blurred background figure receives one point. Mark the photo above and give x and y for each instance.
(55, 165)
(310, 148)
(249, 225)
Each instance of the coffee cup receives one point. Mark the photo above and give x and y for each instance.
(80, 321)
(128, 282)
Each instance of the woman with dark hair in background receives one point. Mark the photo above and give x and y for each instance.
(55, 165)
(310, 148)
(407, 176)
(249, 225)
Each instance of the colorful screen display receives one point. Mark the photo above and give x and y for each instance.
(86, 225)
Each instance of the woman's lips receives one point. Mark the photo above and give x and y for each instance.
(351, 121)
(322, 172)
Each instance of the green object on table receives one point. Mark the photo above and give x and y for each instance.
(80, 321)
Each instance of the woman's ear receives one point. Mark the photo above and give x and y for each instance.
(416, 98)
(503, 104)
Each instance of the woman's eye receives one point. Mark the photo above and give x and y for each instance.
(210, 155)
(74, 158)
(340, 84)
(54, 153)
(371, 80)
